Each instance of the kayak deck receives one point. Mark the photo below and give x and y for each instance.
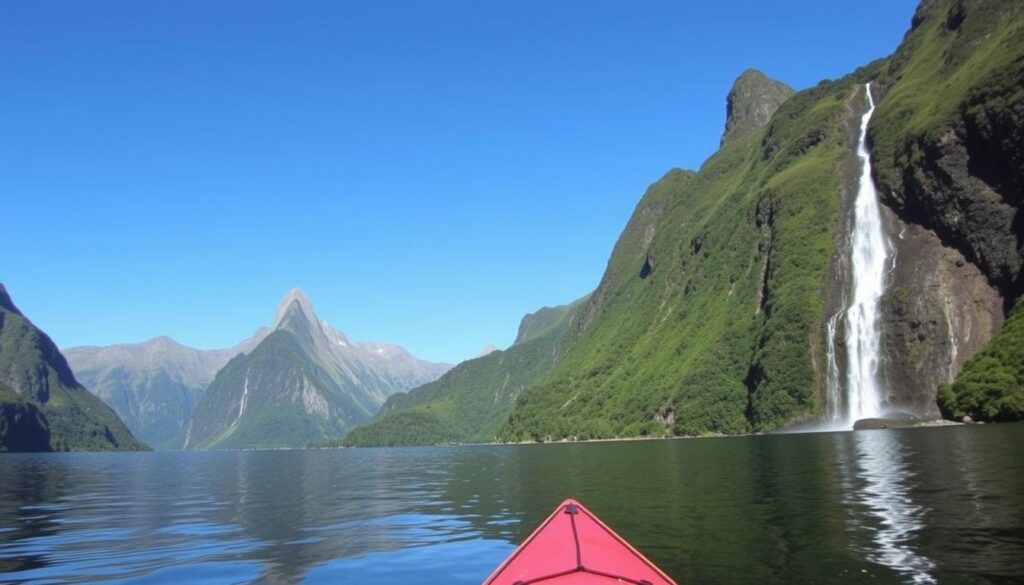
(574, 547)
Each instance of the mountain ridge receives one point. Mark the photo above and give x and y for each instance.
(153, 385)
(41, 401)
(713, 315)
(305, 382)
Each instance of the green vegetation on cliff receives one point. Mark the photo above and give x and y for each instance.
(947, 138)
(991, 385)
(948, 144)
(471, 402)
(708, 317)
(40, 392)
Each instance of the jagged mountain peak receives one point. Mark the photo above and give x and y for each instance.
(753, 99)
(294, 301)
(307, 376)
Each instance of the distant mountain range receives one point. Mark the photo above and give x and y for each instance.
(304, 383)
(42, 405)
(153, 386)
(159, 387)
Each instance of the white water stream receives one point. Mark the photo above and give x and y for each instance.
(869, 253)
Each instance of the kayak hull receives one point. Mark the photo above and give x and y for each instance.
(572, 547)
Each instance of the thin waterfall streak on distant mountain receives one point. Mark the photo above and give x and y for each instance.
(241, 406)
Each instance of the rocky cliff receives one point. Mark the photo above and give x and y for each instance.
(706, 319)
(718, 310)
(751, 102)
(948, 146)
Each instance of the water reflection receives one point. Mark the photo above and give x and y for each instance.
(920, 506)
(243, 516)
(878, 482)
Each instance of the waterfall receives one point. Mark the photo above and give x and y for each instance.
(834, 399)
(868, 253)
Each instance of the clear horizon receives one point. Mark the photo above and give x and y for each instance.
(426, 175)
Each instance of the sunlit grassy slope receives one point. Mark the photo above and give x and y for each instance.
(710, 308)
(473, 400)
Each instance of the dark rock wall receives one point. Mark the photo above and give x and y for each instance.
(939, 310)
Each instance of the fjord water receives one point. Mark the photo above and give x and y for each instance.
(888, 506)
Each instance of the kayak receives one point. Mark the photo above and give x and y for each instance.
(574, 547)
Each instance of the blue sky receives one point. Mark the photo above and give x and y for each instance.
(427, 172)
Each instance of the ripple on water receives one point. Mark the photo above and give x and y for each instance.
(420, 564)
(894, 506)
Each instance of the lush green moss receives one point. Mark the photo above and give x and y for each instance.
(991, 385)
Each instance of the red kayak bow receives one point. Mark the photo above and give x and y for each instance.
(573, 547)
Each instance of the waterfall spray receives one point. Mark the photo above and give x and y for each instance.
(869, 252)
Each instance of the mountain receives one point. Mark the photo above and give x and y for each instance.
(753, 99)
(471, 402)
(948, 147)
(701, 321)
(155, 385)
(303, 383)
(714, 313)
(42, 405)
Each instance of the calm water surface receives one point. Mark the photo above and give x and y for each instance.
(941, 505)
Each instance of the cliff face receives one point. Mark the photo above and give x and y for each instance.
(947, 143)
(715, 312)
(939, 311)
(707, 317)
(949, 135)
(753, 99)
